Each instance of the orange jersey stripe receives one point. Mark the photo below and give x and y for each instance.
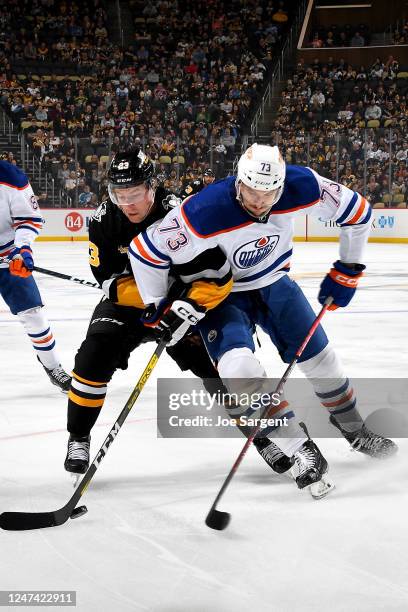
(359, 212)
(223, 231)
(14, 187)
(284, 212)
(144, 253)
(28, 222)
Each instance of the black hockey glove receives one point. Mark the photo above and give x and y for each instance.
(173, 322)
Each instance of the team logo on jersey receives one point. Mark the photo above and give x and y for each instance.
(99, 212)
(212, 334)
(252, 253)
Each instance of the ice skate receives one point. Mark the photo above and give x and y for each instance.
(77, 459)
(309, 468)
(272, 454)
(365, 441)
(58, 377)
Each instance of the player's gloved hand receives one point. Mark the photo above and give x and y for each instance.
(340, 283)
(174, 321)
(21, 261)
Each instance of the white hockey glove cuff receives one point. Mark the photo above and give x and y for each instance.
(177, 321)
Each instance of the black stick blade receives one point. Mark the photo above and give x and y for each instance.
(217, 520)
(20, 521)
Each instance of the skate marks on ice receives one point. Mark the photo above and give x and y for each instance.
(165, 555)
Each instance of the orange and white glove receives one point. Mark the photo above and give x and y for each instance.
(340, 284)
(21, 261)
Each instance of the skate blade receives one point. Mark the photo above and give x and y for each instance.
(321, 489)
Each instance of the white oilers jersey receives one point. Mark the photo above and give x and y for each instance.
(211, 235)
(20, 217)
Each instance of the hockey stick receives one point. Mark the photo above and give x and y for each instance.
(19, 521)
(80, 281)
(74, 279)
(215, 518)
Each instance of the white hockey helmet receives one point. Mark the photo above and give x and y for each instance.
(263, 168)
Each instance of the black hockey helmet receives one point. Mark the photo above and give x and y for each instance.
(208, 172)
(129, 169)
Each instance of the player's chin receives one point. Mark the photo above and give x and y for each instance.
(135, 217)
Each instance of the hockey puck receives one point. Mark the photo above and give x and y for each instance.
(78, 512)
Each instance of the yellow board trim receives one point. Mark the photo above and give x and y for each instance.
(62, 238)
(295, 239)
(335, 239)
(82, 401)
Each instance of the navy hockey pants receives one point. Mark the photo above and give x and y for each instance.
(281, 310)
(19, 293)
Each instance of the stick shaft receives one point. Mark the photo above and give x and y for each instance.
(83, 485)
(278, 390)
(74, 279)
(18, 521)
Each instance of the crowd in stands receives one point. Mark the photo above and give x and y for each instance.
(350, 124)
(400, 35)
(340, 36)
(184, 90)
(58, 34)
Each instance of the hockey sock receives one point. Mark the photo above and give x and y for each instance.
(85, 401)
(242, 373)
(333, 388)
(340, 401)
(286, 432)
(38, 330)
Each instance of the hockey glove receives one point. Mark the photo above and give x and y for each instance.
(173, 322)
(21, 261)
(340, 283)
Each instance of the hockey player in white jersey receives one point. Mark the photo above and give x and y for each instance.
(20, 224)
(243, 226)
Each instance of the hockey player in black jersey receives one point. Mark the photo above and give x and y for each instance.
(115, 328)
(198, 184)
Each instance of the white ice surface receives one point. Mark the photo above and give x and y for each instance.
(143, 544)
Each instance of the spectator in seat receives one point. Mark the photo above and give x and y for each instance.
(357, 40)
(85, 196)
(41, 113)
(43, 51)
(373, 111)
(71, 182)
(318, 98)
(228, 140)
